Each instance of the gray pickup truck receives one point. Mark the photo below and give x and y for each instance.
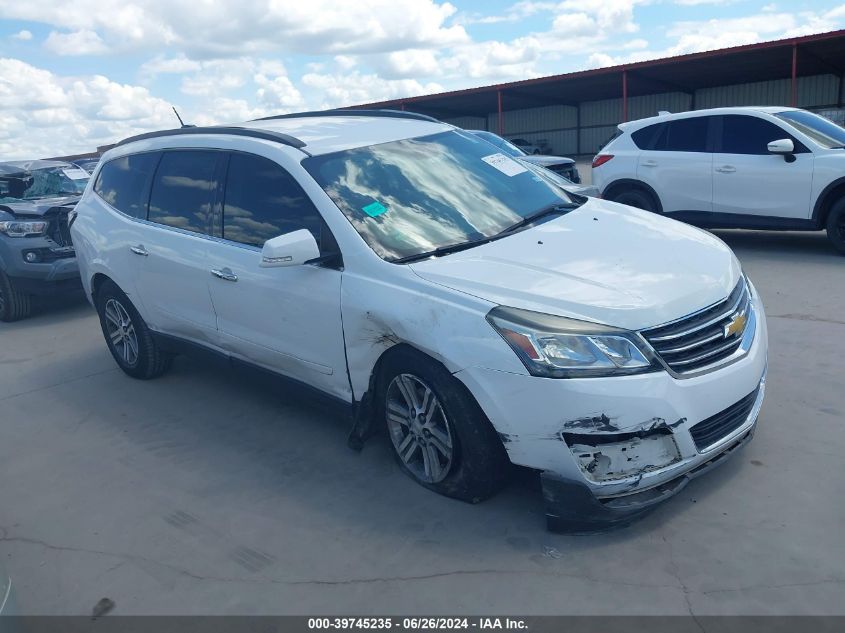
(36, 253)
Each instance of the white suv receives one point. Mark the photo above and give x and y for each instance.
(756, 168)
(440, 290)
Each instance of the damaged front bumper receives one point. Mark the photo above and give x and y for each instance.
(572, 506)
(609, 449)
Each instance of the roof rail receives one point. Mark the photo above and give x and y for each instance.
(393, 114)
(267, 135)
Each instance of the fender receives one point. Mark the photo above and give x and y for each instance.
(632, 182)
(821, 207)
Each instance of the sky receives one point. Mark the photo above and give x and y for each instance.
(75, 74)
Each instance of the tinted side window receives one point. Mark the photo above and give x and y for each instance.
(184, 190)
(748, 134)
(124, 182)
(263, 201)
(651, 137)
(687, 135)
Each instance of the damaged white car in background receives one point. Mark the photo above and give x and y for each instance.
(476, 313)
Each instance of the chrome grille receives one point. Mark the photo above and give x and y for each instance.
(705, 337)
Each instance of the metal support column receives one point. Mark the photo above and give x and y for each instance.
(501, 122)
(624, 95)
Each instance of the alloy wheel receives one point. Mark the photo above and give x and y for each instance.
(121, 332)
(419, 428)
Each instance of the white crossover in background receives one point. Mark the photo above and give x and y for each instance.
(751, 167)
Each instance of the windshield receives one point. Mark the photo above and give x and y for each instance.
(503, 144)
(49, 182)
(416, 195)
(823, 131)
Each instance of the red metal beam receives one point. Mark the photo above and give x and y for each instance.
(794, 101)
(624, 96)
(501, 118)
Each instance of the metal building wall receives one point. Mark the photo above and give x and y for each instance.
(558, 125)
(600, 118)
(469, 122)
(813, 91)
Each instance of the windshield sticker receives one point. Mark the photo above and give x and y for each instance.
(374, 209)
(76, 174)
(505, 164)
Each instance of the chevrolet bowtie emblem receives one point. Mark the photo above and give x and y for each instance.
(736, 326)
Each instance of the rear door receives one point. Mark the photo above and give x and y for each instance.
(749, 180)
(286, 319)
(123, 192)
(677, 163)
(173, 245)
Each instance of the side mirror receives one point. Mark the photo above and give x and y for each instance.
(290, 249)
(782, 146)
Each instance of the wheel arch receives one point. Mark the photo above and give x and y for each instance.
(829, 195)
(97, 281)
(621, 184)
(364, 423)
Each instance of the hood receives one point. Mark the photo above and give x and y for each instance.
(604, 262)
(40, 207)
(545, 161)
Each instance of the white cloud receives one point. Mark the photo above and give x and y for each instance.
(82, 42)
(162, 65)
(43, 114)
(335, 90)
(231, 27)
(23, 36)
(705, 35)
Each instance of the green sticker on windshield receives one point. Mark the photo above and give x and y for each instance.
(374, 209)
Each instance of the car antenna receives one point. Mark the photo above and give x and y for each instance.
(176, 112)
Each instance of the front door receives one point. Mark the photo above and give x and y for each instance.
(749, 180)
(285, 319)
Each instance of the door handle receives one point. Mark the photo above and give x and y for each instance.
(224, 273)
(139, 250)
(726, 169)
(649, 163)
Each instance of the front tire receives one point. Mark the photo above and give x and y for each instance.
(129, 340)
(638, 198)
(14, 304)
(439, 435)
(836, 226)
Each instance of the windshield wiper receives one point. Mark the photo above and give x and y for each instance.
(530, 219)
(444, 250)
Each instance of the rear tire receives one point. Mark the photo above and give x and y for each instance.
(638, 198)
(14, 304)
(836, 225)
(129, 340)
(453, 450)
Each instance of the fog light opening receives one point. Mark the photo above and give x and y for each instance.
(606, 457)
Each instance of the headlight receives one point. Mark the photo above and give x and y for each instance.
(556, 347)
(15, 228)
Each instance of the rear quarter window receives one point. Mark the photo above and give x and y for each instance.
(651, 137)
